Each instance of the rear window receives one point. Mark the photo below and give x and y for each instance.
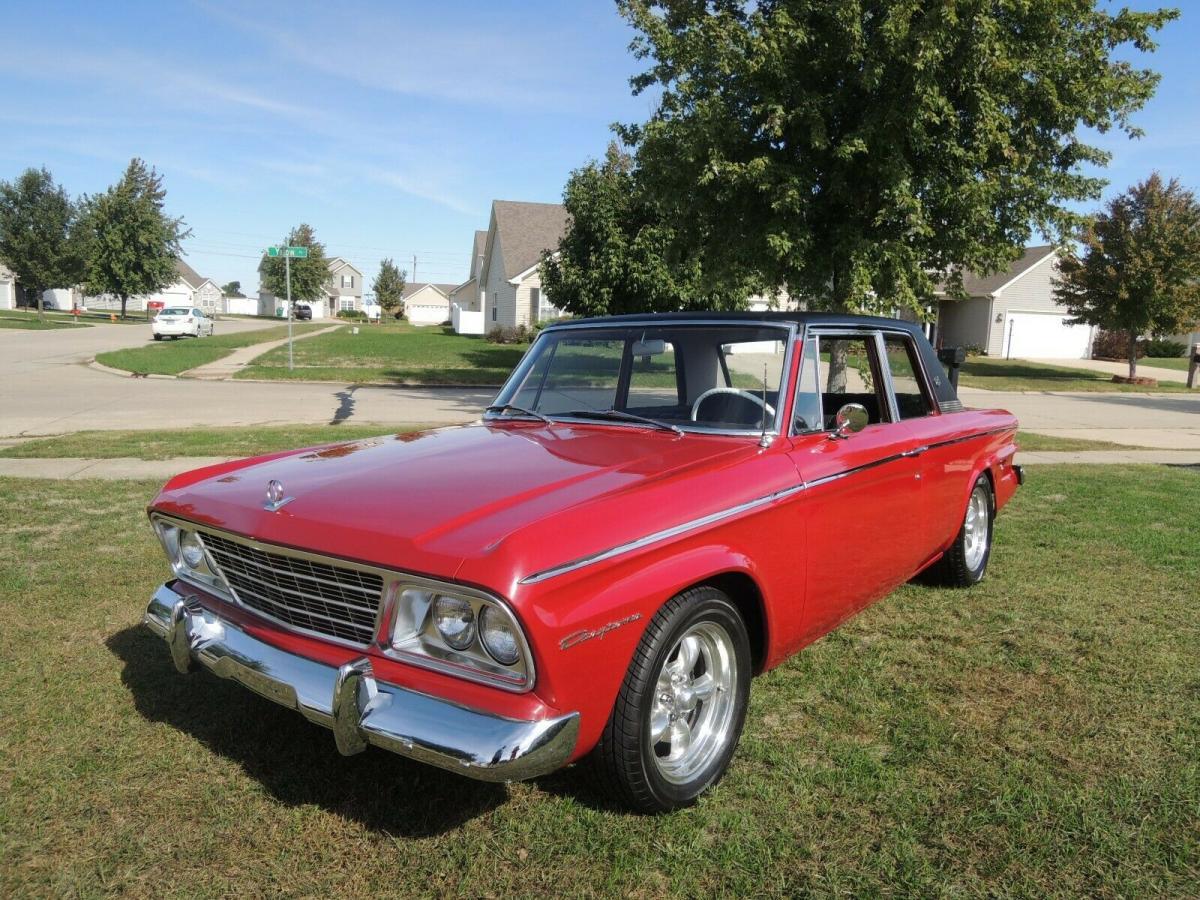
(175, 311)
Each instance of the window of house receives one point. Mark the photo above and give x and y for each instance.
(347, 281)
(493, 313)
(535, 302)
(905, 369)
(347, 302)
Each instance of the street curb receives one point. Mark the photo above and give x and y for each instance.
(371, 384)
(125, 373)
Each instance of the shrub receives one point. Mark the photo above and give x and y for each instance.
(507, 334)
(1113, 345)
(974, 350)
(355, 314)
(1161, 348)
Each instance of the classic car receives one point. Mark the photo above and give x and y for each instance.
(655, 510)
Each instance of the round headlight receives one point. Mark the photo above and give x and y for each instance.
(191, 550)
(455, 621)
(498, 637)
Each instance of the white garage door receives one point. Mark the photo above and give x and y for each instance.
(1044, 336)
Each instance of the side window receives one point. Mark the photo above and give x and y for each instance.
(808, 390)
(850, 374)
(653, 378)
(911, 399)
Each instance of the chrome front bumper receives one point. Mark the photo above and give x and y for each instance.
(359, 709)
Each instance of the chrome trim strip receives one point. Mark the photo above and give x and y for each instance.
(657, 536)
(360, 709)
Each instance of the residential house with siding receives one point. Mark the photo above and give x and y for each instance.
(343, 291)
(511, 286)
(426, 303)
(1013, 313)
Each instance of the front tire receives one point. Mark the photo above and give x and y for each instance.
(966, 561)
(158, 337)
(680, 712)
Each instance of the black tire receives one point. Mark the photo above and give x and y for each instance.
(158, 337)
(959, 567)
(627, 767)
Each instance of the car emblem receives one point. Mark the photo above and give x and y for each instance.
(275, 498)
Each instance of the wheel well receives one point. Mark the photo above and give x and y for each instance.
(743, 592)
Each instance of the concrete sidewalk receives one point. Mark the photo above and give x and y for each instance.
(1145, 368)
(74, 469)
(228, 366)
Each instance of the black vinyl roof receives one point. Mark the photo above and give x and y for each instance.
(801, 318)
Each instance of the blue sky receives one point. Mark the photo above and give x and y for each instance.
(389, 127)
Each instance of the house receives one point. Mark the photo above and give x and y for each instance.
(188, 289)
(1013, 313)
(426, 303)
(466, 295)
(343, 291)
(8, 288)
(510, 286)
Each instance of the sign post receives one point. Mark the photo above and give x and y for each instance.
(287, 253)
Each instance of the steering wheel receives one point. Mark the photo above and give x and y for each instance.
(770, 410)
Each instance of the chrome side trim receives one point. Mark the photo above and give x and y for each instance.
(665, 534)
(358, 708)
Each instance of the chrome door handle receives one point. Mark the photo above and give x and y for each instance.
(916, 451)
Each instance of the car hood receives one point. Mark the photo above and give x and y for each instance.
(426, 502)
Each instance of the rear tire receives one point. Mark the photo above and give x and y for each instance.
(158, 337)
(966, 561)
(681, 708)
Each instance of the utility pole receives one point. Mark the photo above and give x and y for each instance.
(414, 277)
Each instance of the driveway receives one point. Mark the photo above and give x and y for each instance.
(47, 388)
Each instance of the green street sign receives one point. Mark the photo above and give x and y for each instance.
(293, 252)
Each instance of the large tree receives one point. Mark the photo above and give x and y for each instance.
(132, 244)
(38, 238)
(232, 289)
(1140, 268)
(389, 286)
(855, 150)
(310, 276)
(620, 255)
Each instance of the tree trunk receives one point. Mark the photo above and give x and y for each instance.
(1132, 354)
(835, 382)
(41, 304)
(124, 298)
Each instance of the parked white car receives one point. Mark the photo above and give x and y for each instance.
(177, 321)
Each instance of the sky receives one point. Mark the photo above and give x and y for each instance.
(388, 127)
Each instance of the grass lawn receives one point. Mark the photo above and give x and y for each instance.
(1027, 440)
(1034, 736)
(20, 318)
(392, 353)
(1179, 363)
(1020, 375)
(170, 357)
(169, 443)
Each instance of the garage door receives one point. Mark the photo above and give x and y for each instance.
(1044, 336)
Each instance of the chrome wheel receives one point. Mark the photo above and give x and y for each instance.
(692, 715)
(977, 528)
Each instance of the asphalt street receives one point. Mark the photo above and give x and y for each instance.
(46, 387)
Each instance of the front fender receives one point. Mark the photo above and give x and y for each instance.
(586, 629)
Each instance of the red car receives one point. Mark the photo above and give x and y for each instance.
(656, 509)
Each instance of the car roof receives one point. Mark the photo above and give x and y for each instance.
(780, 318)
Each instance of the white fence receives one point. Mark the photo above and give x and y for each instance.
(465, 321)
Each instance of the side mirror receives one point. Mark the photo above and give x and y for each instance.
(851, 418)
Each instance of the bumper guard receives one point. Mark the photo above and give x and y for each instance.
(360, 709)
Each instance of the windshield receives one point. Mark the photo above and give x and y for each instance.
(173, 311)
(698, 377)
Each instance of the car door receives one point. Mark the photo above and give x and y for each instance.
(862, 492)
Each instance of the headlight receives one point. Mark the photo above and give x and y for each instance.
(455, 621)
(169, 535)
(497, 636)
(191, 550)
(460, 631)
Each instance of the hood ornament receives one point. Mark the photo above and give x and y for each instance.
(275, 499)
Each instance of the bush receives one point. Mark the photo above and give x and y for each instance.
(507, 334)
(356, 315)
(1161, 348)
(974, 350)
(1113, 345)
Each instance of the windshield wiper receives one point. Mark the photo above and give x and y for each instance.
(621, 415)
(520, 410)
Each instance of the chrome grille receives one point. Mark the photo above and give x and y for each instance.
(321, 597)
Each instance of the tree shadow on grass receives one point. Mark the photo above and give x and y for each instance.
(295, 760)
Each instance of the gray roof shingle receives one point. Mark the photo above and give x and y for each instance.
(526, 230)
(190, 276)
(412, 287)
(986, 285)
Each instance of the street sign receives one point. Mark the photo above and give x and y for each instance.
(293, 252)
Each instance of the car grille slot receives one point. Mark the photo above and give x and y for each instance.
(321, 597)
